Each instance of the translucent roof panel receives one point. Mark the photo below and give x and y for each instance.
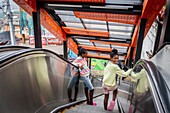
(69, 18)
(124, 1)
(96, 27)
(112, 7)
(107, 55)
(121, 58)
(61, 12)
(93, 21)
(122, 50)
(113, 33)
(123, 28)
(120, 36)
(74, 25)
(119, 47)
(85, 42)
(92, 53)
(120, 24)
(81, 40)
(102, 45)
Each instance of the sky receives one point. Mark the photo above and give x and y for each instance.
(13, 5)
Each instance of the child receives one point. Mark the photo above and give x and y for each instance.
(84, 76)
(109, 78)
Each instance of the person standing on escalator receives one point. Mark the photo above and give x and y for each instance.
(109, 79)
(81, 63)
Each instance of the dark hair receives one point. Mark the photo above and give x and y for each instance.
(113, 53)
(81, 51)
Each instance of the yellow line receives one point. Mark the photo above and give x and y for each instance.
(75, 105)
(64, 111)
(70, 107)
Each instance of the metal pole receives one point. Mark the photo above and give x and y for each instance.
(131, 57)
(90, 64)
(37, 28)
(10, 19)
(166, 26)
(158, 34)
(65, 49)
(140, 39)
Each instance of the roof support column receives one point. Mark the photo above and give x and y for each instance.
(65, 49)
(158, 34)
(140, 39)
(37, 27)
(166, 26)
(131, 57)
(90, 63)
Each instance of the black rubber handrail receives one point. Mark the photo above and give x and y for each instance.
(120, 106)
(20, 47)
(166, 43)
(24, 51)
(161, 87)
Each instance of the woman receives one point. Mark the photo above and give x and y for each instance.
(81, 63)
(109, 78)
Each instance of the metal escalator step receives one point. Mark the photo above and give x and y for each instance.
(84, 108)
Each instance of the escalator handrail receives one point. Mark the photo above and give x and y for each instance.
(19, 47)
(159, 83)
(164, 44)
(119, 105)
(24, 51)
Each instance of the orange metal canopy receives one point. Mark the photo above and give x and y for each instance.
(96, 48)
(79, 31)
(98, 56)
(150, 10)
(120, 18)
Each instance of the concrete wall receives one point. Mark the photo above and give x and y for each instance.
(162, 61)
(149, 41)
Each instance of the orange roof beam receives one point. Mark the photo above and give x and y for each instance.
(112, 43)
(120, 18)
(109, 54)
(80, 31)
(97, 56)
(96, 48)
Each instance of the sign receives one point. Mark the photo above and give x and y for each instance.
(72, 45)
(32, 41)
(53, 41)
(44, 41)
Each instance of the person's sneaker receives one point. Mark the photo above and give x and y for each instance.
(94, 104)
(111, 106)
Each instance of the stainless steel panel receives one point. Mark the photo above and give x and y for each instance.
(34, 83)
(142, 99)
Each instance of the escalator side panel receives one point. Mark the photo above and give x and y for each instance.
(28, 84)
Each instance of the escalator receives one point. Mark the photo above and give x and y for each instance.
(35, 81)
(148, 91)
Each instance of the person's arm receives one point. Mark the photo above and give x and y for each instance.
(121, 72)
(138, 75)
